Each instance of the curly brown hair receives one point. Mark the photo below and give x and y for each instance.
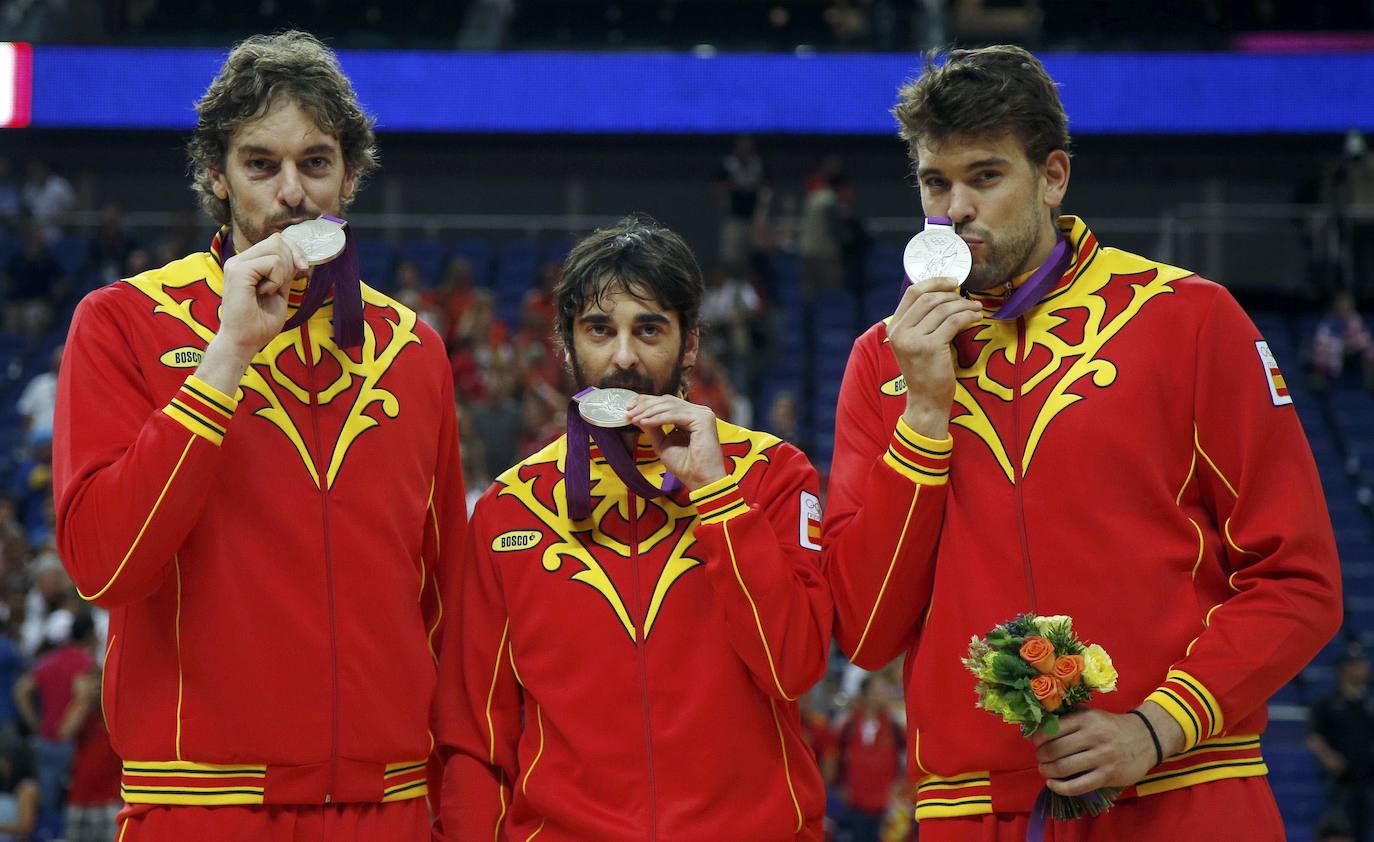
(985, 92)
(258, 72)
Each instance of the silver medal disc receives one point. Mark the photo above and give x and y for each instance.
(320, 239)
(606, 407)
(937, 252)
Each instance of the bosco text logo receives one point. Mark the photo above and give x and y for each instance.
(519, 539)
(183, 357)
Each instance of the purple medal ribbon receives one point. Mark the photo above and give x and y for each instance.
(1029, 293)
(1035, 828)
(338, 277)
(577, 470)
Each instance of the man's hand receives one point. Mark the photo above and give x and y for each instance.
(926, 321)
(257, 282)
(1096, 749)
(691, 452)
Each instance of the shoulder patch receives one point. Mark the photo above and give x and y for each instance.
(183, 357)
(894, 387)
(809, 525)
(1278, 389)
(515, 540)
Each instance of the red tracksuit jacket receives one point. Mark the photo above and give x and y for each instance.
(1125, 453)
(271, 559)
(633, 676)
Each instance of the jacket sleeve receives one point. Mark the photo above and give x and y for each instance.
(1255, 475)
(883, 519)
(478, 701)
(443, 544)
(131, 470)
(762, 560)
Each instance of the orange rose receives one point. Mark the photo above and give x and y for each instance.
(1048, 690)
(1068, 668)
(1039, 653)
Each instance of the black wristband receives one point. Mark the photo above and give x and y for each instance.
(1159, 752)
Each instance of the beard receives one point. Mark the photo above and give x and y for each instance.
(1005, 253)
(255, 231)
(632, 379)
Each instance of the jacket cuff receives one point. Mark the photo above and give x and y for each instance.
(719, 501)
(1191, 704)
(923, 460)
(202, 409)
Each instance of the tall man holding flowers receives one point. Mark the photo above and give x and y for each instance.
(1083, 432)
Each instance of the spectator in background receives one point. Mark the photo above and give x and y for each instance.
(496, 420)
(740, 184)
(19, 794)
(109, 248)
(93, 800)
(14, 540)
(784, 422)
(710, 387)
(48, 607)
(870, 748)
(540, 426)
(33, 281)
(138, 261)
(1341, 736)
(12, 668)
(1350, 191)
(819, 238)
(729, 315)
(10, 202)
(47, 198)
(1342, 336)
(43, 696)
(39, 399)
(410, 291)
(454, 294)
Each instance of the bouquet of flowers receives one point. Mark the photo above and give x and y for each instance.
(1033, 670)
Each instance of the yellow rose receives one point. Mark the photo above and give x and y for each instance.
(1098, 670)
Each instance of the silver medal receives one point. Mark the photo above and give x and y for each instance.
(937, 252)
(320, 239)
(606, 407)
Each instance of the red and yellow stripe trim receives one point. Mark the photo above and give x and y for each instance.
(202, 409)
(404, 781)
(210, 784)
(1191, 704)
(719, 501)
(180, 782)
(970, 794)
(922, 460)
(962, 795)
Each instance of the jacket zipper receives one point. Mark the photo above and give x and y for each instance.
(1020, 456)
(320, 471)
(633, 503)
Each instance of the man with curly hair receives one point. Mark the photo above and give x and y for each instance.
(1073, 429)
(257, 472)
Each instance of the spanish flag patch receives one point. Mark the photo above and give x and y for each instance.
(810, 525)
(1278, 389)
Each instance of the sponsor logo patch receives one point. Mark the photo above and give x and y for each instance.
(516, 540)
(894, 387)
(810, 525)
(1278, 388)
(183, 357)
